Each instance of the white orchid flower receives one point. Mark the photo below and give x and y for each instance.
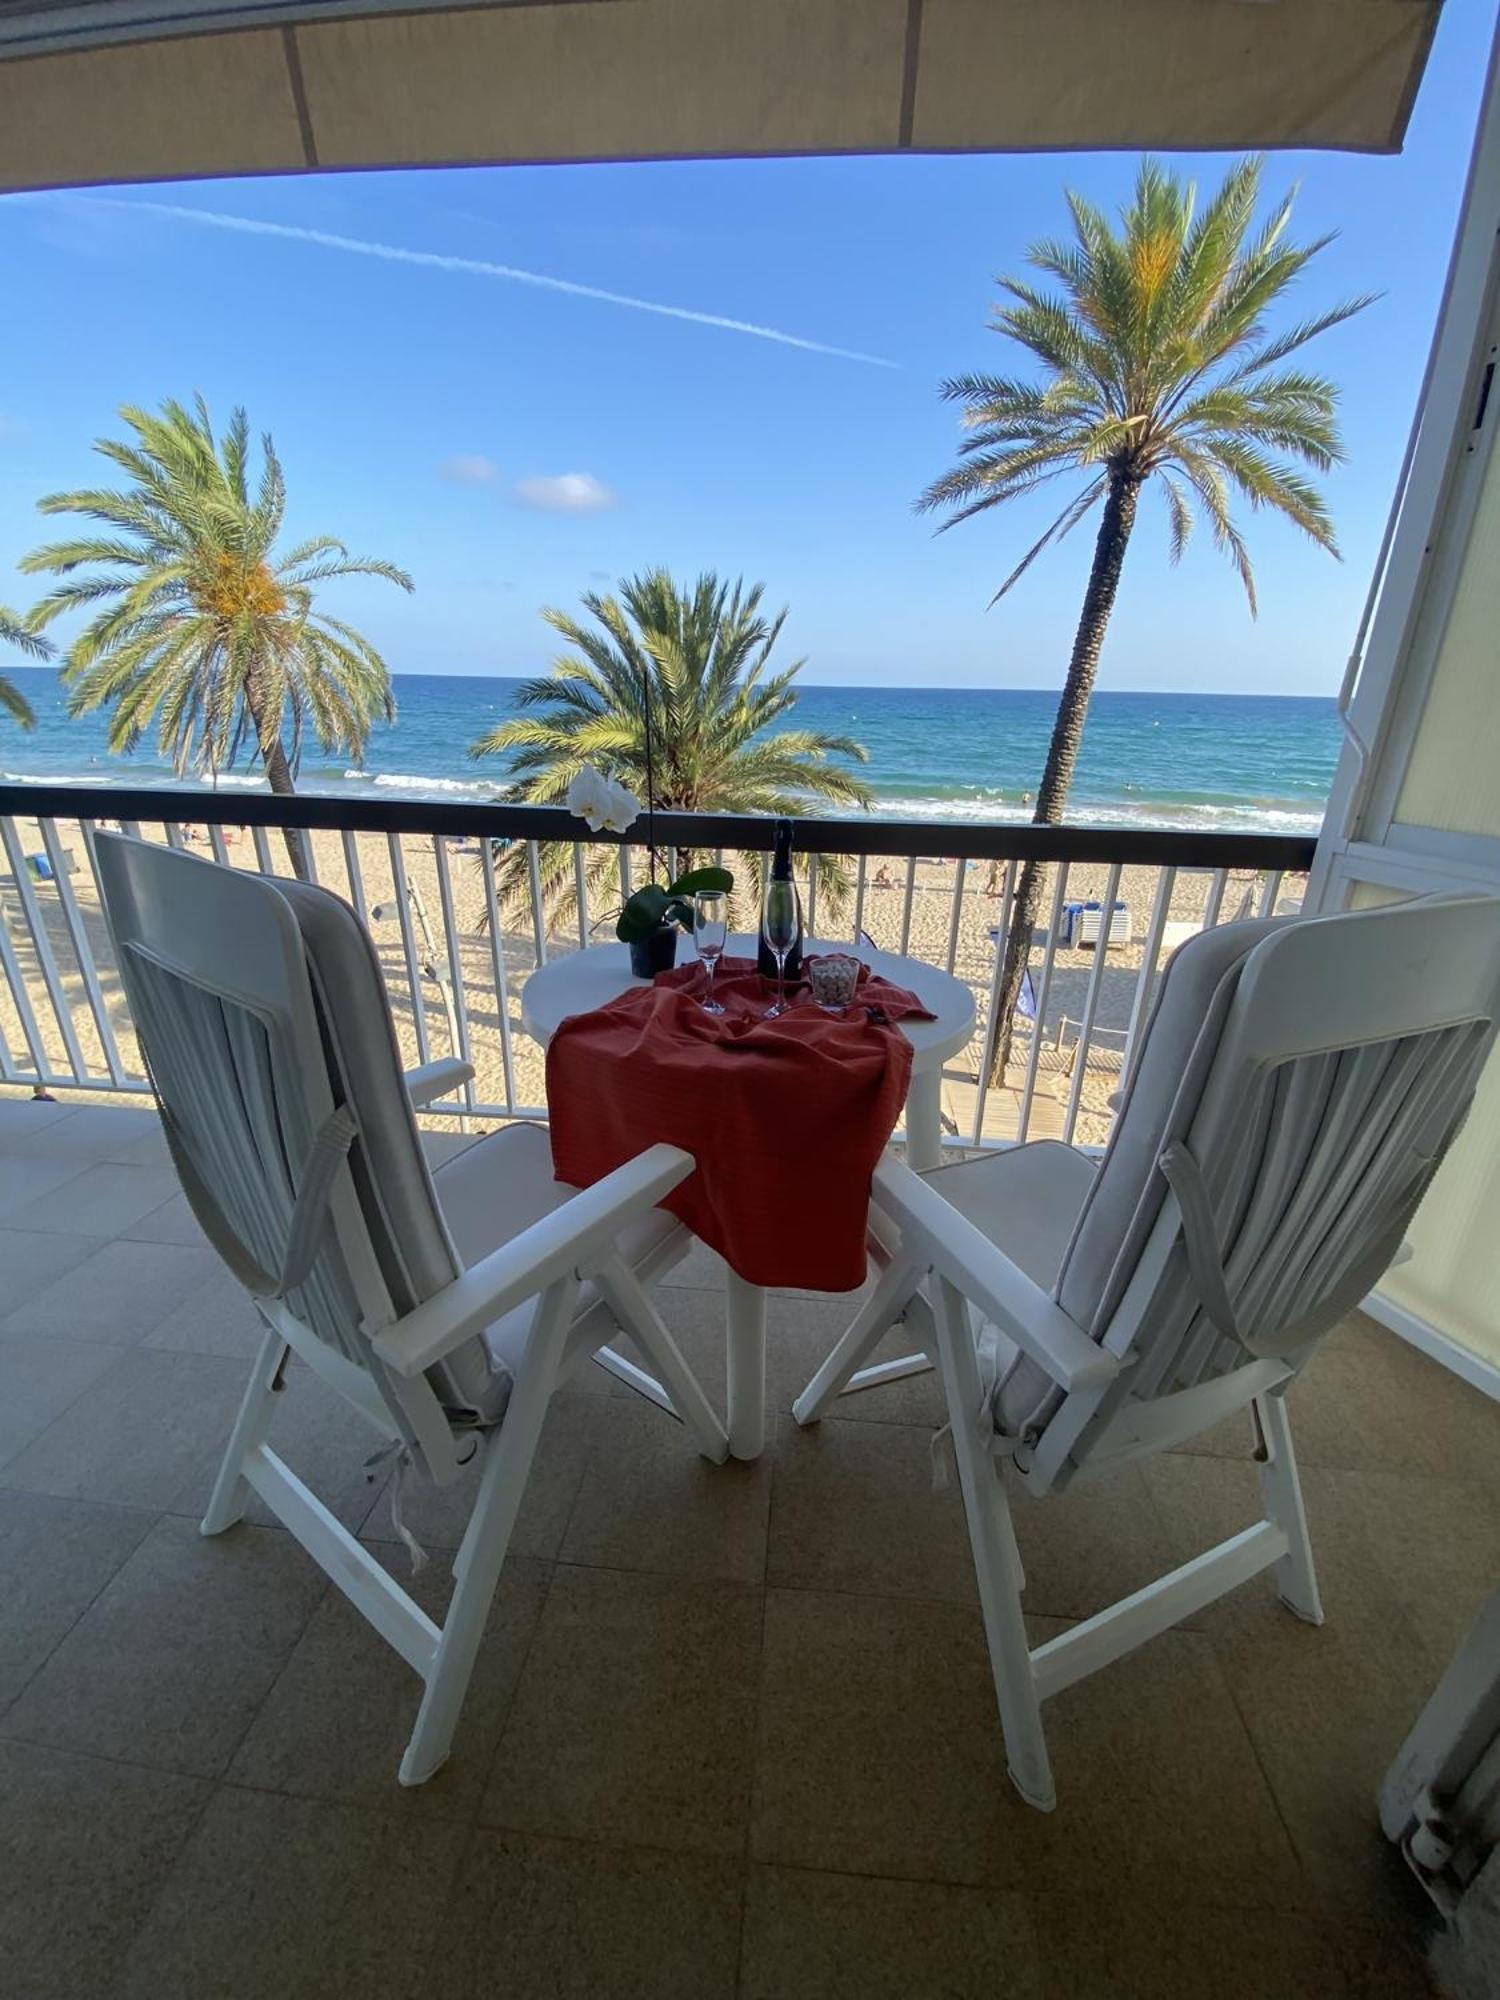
(601, 802)
(623, 808)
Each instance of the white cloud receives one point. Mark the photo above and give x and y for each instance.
(565, 493)
(479, 267)
(469, 469)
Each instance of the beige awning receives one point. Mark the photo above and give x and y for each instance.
(139, 90)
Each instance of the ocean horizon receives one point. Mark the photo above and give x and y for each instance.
(1223, 761)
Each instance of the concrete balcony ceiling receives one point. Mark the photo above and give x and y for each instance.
(146, 90)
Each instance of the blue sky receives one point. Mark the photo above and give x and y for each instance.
(515, 444)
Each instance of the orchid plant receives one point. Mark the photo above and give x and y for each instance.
(604, 806)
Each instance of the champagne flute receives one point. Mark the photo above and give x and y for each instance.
(710, 926)
(780, 923)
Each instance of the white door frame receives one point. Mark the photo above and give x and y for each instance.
(1390, 672)
(1388, 679)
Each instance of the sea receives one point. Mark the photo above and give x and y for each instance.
(1227, 761)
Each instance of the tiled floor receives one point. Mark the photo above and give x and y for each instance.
(731, 1730)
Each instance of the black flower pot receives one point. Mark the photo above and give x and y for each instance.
(655, 952)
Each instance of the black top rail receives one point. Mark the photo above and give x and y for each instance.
(893, 838)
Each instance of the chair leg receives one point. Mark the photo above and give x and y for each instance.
(509, 1454)
(627, 1300)
(996, 1562)
(251, 1428)
(1281, 1492)
(880, 1311)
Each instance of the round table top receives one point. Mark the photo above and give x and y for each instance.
(582, 980)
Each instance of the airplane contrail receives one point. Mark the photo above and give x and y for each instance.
(434, 260)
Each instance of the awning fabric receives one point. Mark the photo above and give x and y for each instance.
(139, 90)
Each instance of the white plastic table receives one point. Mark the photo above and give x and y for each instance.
(583, 980)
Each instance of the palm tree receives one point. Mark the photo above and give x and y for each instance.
(675, 679)
(1157, 363)
(205, 627)
(14, 631)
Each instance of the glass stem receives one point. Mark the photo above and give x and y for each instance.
(711, 967)
(781, 982)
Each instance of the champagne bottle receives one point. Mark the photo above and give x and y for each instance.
(781, 873)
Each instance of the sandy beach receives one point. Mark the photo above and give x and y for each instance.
(423, 1018)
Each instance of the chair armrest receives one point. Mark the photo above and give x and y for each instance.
(436, 1079)
(937, 1234)
(583, 1229)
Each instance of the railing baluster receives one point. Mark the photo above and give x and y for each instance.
(812, 895)
(991, 1019)
(31, 1031)
(263, 859)
(581, 895)
(627, 871)
(173, 831)
(956, 914)
(538, 926)
(1215, 901)
(1269, 894)
(59, 857)
(859, 901)
(216, 842)
(459, 1027)
(1043, 991)
(409, 946)
(356, 876)
(1091, 1004)
(41, 944)
(906, 902)
(497, 960)
(1146, 978)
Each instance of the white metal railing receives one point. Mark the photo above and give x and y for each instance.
(456, 956)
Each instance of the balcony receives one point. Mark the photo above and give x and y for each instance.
(732, 1730)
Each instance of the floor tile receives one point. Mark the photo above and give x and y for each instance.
(219, 1317)
(84, 1847)
(1089, 1546)
(843, 1937)
(853, 1508)
(1326, 1707)
(438, 1516)
(32, 1259)
(635, 1716)
(138, 1435)
(1123, 1950)
(540, 1919)
(1437, 1542)
(24, 1117)
(879, 1749)
(337, 1721)
(109, 1132)
(326, 1440)
(651, 1501)
(55, 1558)
(118, 1293)
(39, 1379)
(1383, 1407)
(30, 1180)
(100, 1201)
(171, 1662)
(293, 1899)
(172, 1221)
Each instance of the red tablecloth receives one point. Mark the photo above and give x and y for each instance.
(785, 1118)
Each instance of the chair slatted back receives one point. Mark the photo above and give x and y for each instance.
(1323, 1067)
(260, 1011)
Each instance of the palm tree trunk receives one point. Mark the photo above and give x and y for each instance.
(279, 777)
(1062, 751)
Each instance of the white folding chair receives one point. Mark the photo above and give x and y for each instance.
(445, 1306)
(1298, 1085)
